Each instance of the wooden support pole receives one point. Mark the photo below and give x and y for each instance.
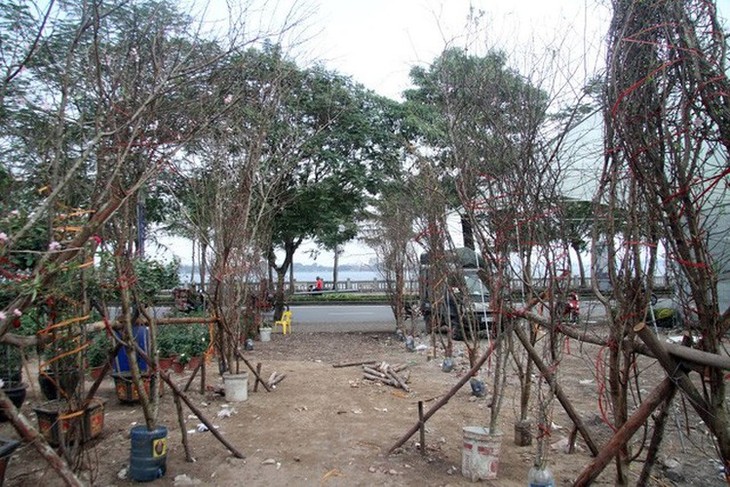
(190, 380)
(422, 428)
(32, 437)
(673, 369)
(202, 375)
(652, 452)
(559, 393)
(175, 390)
(183, 430)
(258, 374)
(97, 383)
(465, 378)
(624, 434)
(251, 368)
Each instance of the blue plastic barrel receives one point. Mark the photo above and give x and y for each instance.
(148, 459)
(142, 336)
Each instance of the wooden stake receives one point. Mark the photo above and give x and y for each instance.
(192, 376)
(422, 427)
(183, 429)
(258, 373)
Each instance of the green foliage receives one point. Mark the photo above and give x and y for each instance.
(97, 353)
(151, 277)
(184, 341)
(10, 357)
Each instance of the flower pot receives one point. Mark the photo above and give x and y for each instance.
(61, 384)
(127, 392)
(7, 447)
(16, 393)
(236, 386)
(11, 376)
(523, 433)
(148, 456)
(480, 453)
(95, 372)
(58, 425)
(165, 363)
(194, 362)
(178, 367)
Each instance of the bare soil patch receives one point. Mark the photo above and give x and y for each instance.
(327, 426)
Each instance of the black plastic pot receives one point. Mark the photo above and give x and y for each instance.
(16, 393)
(7, 447)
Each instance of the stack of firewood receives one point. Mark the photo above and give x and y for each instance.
(388, 374)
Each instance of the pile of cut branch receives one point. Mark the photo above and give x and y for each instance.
(388, 374)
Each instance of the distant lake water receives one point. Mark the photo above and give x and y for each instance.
(342, 275)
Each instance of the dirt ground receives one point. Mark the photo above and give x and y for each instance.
(328, 426)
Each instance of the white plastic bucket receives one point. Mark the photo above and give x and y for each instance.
(236, 386)
(265, 334)
(480, 454)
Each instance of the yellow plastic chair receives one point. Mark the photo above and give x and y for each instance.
(284, 322)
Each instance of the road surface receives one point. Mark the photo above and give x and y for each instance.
(345, 317)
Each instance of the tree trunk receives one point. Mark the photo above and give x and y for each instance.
(202, 264)
(335, 266)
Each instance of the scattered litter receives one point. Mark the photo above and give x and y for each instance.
(226, 412)
(586, 382)
(675, 338)
(357, 411)
(183, 479)
(269, 461)
(201, 428)
(421, 347)
(190, 432)
(382, 410)
(300, 408)
(122, 474)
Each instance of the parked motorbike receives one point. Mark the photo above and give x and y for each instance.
(571, 308)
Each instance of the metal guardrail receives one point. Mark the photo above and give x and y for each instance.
(411, 286)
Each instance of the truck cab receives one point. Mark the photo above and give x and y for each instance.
(457, 302)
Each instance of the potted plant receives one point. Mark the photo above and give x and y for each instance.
(198, 342)
(167, 346)
(11, 375)
(60, 371)
(97, 354)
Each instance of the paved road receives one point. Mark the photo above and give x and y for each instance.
(334, 318)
